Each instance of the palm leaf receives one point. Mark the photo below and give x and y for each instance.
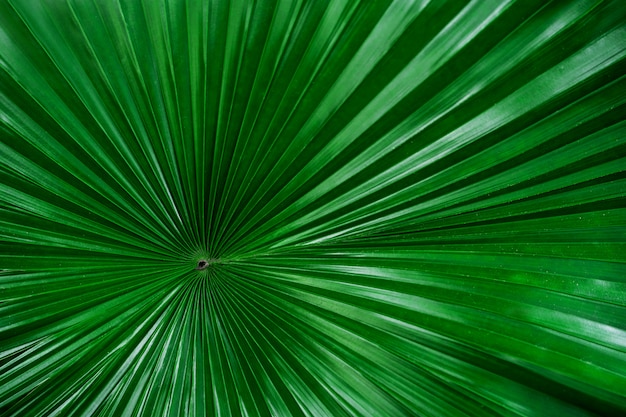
(402, 208)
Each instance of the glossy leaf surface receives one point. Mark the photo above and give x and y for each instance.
(405, 208)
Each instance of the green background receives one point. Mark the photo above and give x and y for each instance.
(409, 208)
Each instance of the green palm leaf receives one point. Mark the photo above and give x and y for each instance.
(401, 208)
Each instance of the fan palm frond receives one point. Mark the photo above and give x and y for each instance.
(316, 208)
